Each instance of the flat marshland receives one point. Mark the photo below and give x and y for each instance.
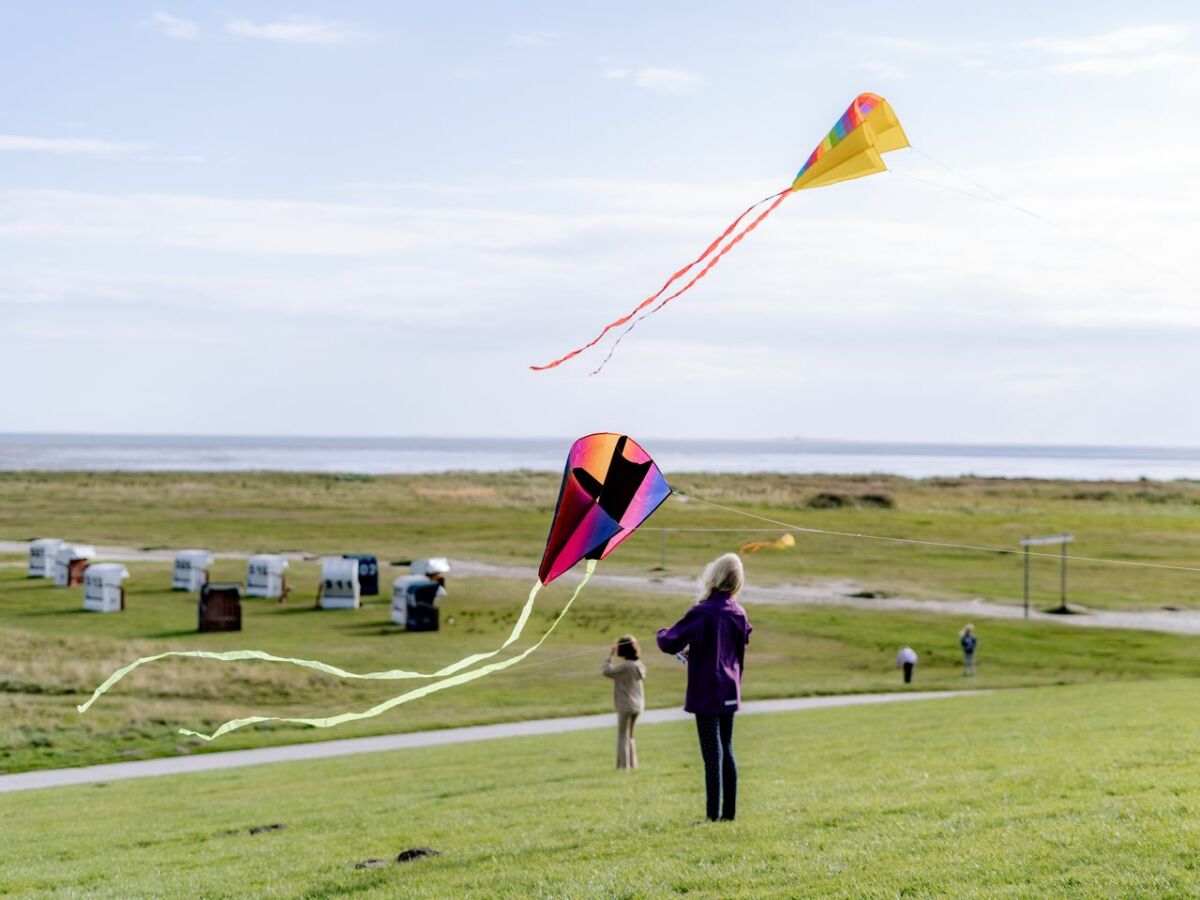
(503, 518)
(55, 654)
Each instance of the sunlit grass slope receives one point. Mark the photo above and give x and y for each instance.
(1085, 791)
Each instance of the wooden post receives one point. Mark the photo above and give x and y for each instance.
(1062, 588)
(1049, 540)
(1026, 581)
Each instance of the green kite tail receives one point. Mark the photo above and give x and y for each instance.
(416, 694)
(389, 675)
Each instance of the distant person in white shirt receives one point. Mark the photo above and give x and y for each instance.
(906, 659)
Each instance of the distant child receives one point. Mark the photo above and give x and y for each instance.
(969, 642)
(714, 634)
(629, 697)
(906, 659)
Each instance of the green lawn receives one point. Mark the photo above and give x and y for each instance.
(1082, 791)
(55, 654)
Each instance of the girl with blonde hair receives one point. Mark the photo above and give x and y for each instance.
(712, 637)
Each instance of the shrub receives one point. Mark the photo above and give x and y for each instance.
(829, 500)
(1094, 495)
(1160, 497)
(879, 501)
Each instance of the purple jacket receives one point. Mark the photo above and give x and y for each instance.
(716, 631)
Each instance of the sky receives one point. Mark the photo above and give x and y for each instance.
(371, 218)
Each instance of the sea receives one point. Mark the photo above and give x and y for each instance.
(382, 455)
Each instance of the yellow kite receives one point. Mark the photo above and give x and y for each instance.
(853, 148)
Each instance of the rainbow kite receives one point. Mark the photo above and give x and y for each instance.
(852, 149)
(610, 487)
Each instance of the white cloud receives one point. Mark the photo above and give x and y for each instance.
(1121, 52)
(667, 81)
(19, 143)
(505, 275)
(658, 80)
(406, 293)
(897, 44)
(175, 27)
(172, 157)
(885, 54)
(1121, 41)
(883, 69)
(68, 146)
(294, 31)
(1110, 65)
(276, 229)
(536, 39)
(517, 247)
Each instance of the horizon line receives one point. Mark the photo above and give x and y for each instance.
(803, 440)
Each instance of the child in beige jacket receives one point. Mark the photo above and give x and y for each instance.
(629, 698)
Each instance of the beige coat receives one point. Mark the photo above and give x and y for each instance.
(627, 676)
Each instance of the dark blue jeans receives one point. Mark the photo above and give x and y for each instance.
(720, 768)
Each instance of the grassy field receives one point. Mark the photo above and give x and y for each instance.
(55, 654)
(1085, 791)
(504, 517)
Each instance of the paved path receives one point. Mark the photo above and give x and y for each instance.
(206, 762)
(815, 591)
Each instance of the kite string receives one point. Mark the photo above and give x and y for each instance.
(779, 198)
(1122, 248)
(415, 694)
(926, 543)
(388, 675)
(983, 199)
(679, 274)
(993, 195)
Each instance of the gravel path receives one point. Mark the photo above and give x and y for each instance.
(207, 762)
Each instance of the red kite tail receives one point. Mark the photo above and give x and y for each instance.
(699, 259)
(779, 198)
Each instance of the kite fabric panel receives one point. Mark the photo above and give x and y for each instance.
(610, 487)
(853, 148)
